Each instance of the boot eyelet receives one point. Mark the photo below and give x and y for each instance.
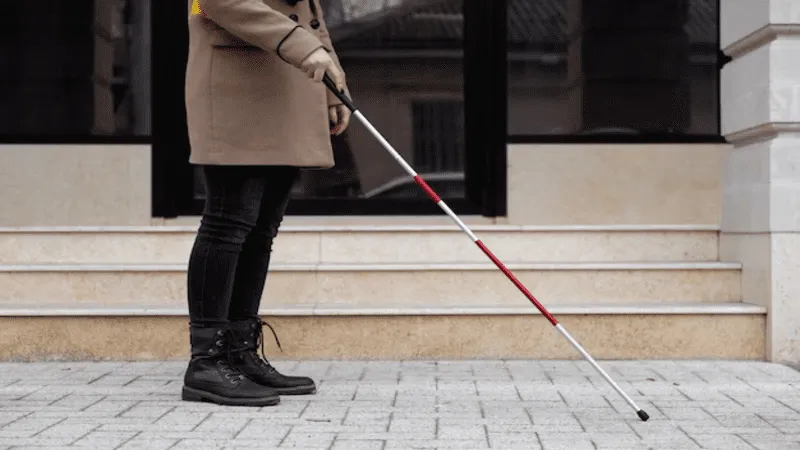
(220, 333)
(219, 343)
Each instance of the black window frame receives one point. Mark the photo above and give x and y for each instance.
(485, 94)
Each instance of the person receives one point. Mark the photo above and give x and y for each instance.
(257, 114)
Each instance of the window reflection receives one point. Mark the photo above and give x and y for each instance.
(613, 67)
(75, 68)
(404, 70)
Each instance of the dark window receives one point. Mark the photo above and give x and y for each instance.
(74, 69)
(405, 68)
(394, 53)
(438, 135)
(446, 184)
(613, 67)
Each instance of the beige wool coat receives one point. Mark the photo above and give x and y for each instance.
(247, 101)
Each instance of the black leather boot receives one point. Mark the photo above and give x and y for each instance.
(249, 336)
(212, 376)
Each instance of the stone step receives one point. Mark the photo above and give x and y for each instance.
(374, 285)
(634, 331)
(362, 244)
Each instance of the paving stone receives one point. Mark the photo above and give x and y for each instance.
(109, 408)
(38, 447)
(224, 424)
(497, 389)
(180, 420)
(357, 445)
(424, 444)
(619, 427)
(472, 432)
(72, 431)
(7, 417)
(40, 442)
(427, 426)
(310, 439)
(514, 440)
(684, 413)
(740, 420)
(117, 423)
(421, 434)
(567, 444)
(192, 444)
(412, 404)
(104, 439)
(722, 442)
(610, 440)
(676, 441)
(368, 417)
(786, 426)
(543, 417)
(772, 442)
(28, 426)
(147, 411)
(148, 444)
(179, 435)
(262, 429)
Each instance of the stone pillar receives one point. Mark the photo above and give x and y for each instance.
(760, 100)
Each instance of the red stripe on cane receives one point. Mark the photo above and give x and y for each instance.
(427, 189)
(516, 282)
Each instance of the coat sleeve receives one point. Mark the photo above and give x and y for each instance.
(328, 44)
(255, 22)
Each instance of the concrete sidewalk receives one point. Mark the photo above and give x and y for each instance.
(391, 405)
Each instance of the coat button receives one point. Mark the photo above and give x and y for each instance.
(314, 24)
(294, 17)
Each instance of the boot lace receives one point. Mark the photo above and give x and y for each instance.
(227, 364)
(259, 341)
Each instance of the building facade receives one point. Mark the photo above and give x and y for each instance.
(635, 160)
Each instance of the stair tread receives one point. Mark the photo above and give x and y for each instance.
(344, 309)
(369, 228)
(170, 267)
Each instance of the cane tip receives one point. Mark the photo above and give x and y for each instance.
(643, 415)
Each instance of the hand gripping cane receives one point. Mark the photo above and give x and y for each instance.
(349, 104)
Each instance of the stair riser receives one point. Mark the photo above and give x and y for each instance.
(404, 337)
(372, 247)
(379, 288)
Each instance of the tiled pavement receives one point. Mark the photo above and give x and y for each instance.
(391, 405)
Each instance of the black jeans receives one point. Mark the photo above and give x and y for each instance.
(229, 261)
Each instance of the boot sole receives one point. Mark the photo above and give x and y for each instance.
(296, 390)
(195, 395)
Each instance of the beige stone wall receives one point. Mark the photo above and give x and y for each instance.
(75, 185)
(761, 187)
(577, 184)
(591, 184)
